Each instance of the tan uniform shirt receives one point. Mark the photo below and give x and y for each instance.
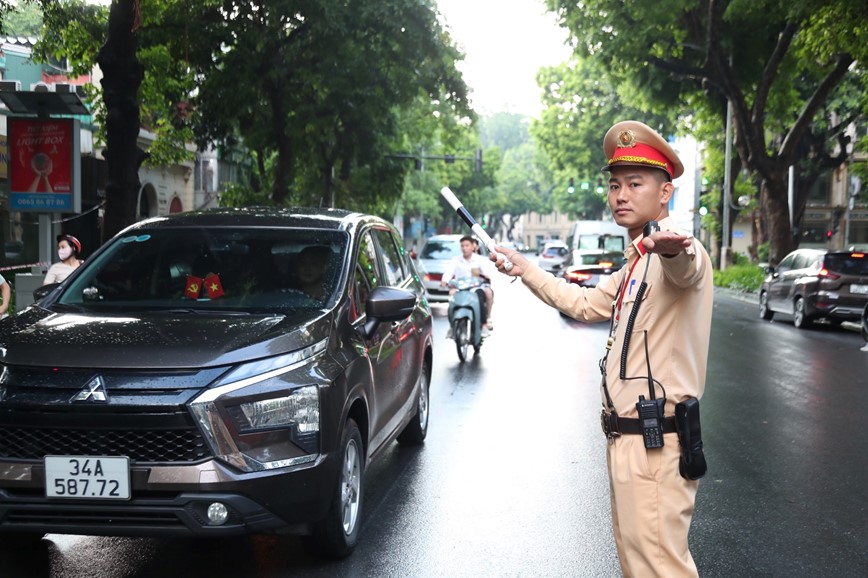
(675, 313)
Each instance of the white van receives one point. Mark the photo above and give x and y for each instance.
(587, 237)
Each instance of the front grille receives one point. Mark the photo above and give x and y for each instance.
(141, 446)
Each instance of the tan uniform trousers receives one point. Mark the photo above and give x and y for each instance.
(652, 506)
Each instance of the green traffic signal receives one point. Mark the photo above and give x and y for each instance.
(571, 188)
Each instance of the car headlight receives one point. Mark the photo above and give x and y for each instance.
(256, 418)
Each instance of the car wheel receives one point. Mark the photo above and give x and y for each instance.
(415, 431)
(462, 337)
(336, 535)
(800, 315)
(765, 312)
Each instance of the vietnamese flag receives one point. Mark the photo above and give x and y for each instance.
(213, 286)
(193, 288)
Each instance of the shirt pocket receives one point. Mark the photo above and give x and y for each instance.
(645, 316)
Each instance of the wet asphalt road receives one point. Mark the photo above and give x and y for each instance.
(511, 481)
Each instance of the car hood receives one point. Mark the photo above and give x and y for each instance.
(39, 337)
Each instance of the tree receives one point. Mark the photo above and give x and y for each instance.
(25, 19)
(779, 62)
(580, 103)
(314, 91)
(321, 85)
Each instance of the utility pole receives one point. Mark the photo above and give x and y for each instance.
(727, 187)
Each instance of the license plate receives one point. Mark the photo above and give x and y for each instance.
(101, 477)
(859, 289)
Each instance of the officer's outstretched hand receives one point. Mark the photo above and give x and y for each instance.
(519, 263)
(666, 243)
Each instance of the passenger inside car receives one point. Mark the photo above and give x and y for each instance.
(310, 267)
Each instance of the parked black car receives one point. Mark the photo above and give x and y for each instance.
(215, 373)
(813, 284)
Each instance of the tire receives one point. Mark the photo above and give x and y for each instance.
(461, 334)
(865, 324)
(765, 312)
(800, 315)
(336, 535)
(415, 431)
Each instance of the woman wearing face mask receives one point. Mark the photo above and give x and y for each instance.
(68, 250)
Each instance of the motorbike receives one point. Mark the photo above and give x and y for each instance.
(465, 315)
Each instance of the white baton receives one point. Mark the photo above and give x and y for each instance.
(474, 226)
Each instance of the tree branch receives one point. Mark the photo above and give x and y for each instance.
(833, 79)
(770, 72)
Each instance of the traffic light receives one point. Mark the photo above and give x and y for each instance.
(829, 235)
(600, 188)
(571, 187)
(478, 160)
(703, 198)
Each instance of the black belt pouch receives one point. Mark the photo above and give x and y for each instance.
(692, 465)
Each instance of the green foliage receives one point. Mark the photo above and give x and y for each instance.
(25, 19)
(741, 277)
(323, 90)
(582, 100)
(788, 67)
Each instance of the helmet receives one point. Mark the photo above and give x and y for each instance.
(73, 242)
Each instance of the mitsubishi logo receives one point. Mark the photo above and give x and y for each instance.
(93, 391)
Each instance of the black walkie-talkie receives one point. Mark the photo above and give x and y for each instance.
(650, 228)
(651, 418)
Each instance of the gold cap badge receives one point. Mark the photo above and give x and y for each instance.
(626, 139)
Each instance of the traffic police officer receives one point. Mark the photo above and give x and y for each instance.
(658, 351)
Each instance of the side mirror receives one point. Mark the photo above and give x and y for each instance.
(43, 290)
(387, 304)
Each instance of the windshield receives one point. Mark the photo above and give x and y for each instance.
(440, 250)
(605, 242)
(254, 270)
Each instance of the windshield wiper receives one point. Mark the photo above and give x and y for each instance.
(195, 311)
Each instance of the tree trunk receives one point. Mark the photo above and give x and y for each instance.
(777, 208)
(122, 75)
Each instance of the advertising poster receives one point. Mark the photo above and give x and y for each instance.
(44, 165)
(4, 157)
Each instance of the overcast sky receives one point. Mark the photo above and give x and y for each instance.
(505, 42)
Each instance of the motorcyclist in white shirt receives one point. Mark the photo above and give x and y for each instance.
(472, 264)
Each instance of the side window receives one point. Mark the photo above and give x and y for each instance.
(394, 271)
(366, 277)
(786, 264)
(800, 262)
